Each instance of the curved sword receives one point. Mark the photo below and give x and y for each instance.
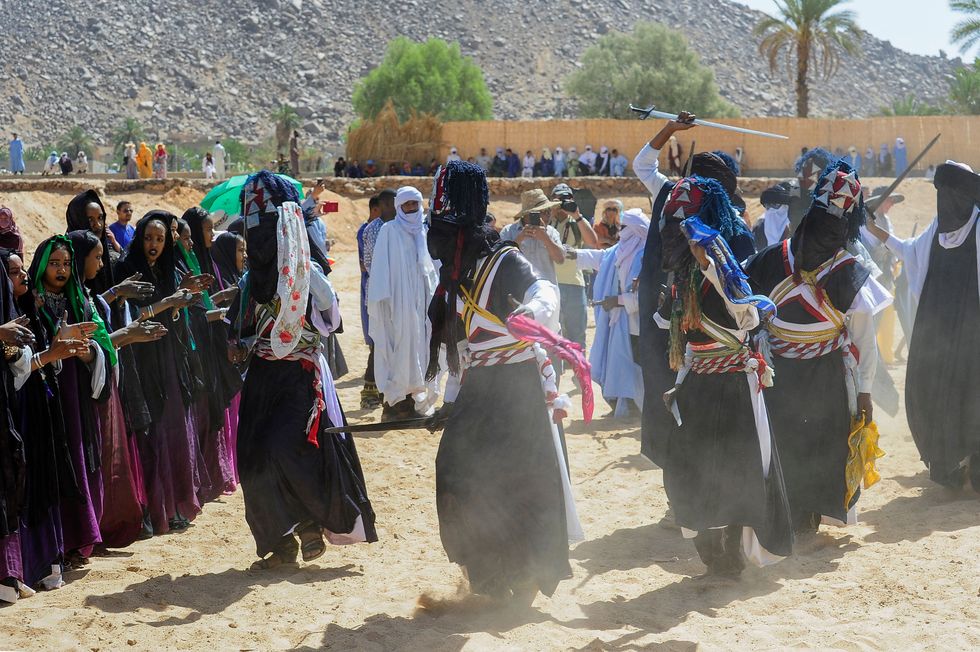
(646, 113)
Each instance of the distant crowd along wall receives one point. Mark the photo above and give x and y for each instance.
(960, 141)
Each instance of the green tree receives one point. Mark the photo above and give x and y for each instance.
(431, 77)
(76, 139)
(235, 152)
(909, 105)
(964, 90)
(651, 65)
(808, 33)
(130, 131)
(966, 32)
(286, 120)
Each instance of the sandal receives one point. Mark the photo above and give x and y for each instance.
(284, 555)
(312, 546)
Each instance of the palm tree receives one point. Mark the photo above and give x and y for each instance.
(805, 31)
(967, 31)
(908, 105)
(286, 119)
(76, 139)
(129, 131)
(964, 91)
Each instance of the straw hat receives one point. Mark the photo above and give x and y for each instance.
(878, 195)
(535, 200)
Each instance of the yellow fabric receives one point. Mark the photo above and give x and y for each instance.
(863, 453)
(144, 161)
(886, 335)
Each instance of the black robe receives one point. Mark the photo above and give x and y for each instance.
(944, 364)
(286, 481)
(498, 481)
(712, 464)
(655, 341)
(811, 428)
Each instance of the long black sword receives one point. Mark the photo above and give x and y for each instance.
(414, 423)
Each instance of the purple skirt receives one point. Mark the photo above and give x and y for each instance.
(122, 516)
(79, 515)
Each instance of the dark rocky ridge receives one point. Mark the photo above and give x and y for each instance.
(193, 70)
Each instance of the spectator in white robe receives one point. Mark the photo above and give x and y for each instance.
(402, 282)
(218, 154)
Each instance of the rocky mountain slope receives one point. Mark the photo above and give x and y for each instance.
(194, 70)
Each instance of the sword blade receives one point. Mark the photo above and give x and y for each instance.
(383, 426)
(646, 113)
(871, 208)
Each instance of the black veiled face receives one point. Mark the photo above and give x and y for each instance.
(954, 208)
(675, 249)
(823, 235)
(441, 241)
(262, 244)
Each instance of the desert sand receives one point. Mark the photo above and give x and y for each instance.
(907, 577)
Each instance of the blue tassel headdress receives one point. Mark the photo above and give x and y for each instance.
(733, 279)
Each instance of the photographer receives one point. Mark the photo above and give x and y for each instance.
(574, 232)
(539, 242)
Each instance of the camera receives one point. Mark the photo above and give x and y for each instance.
(569, 205)
(534, 218)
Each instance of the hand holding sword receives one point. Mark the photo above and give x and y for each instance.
(651, 111)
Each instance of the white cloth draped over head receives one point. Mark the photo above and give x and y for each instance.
(775, 221)
(413, 223)
(293, 254)
(632, 239)
(402, 282)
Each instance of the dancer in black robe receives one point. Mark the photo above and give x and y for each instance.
(295, 477)
(822, 336)
(653, 279)
(941, 265)
(505, 507)
(721, 467)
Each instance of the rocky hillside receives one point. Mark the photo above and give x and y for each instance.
(194, 70)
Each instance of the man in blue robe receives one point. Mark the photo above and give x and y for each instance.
(17, 155)
(617, 310)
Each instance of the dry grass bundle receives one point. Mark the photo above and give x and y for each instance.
(386, 140)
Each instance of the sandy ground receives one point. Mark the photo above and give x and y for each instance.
(906, 577)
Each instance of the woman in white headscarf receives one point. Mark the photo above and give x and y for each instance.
(617, 314)
(402, 282)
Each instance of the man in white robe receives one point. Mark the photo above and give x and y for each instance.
(218, 154)
(402, 282)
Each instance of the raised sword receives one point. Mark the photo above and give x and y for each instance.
(652, 112)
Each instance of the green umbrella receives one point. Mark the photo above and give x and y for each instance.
(224, 197)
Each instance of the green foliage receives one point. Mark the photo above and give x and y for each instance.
(805, 33)
(37, 153)
(129, 131)
(964, 90)
(431, 77)
(909, 105)
(652, 65)
(235, 151)
(285, 119)
(76, 139)
(967, 31)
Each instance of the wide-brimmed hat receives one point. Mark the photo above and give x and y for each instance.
(535, 200)
(878, 195)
